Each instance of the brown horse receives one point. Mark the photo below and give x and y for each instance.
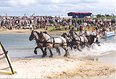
(53, 42)
(71, 42)
(40, 44)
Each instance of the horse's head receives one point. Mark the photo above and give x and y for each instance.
(64, 35)
(32, 36)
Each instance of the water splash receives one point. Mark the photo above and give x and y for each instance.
(95, 50)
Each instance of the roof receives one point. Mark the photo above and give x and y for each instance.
(80, 12)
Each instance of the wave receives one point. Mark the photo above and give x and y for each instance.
(95, 50)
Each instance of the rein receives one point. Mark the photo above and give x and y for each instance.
(53, 40)
(50, 42)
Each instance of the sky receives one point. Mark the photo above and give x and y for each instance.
(56, 7)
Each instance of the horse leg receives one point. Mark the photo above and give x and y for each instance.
(51, 55)
(78, 47)
(66, 51)
(82, 44)
(35, 50)
(44, 52)
(71, 45)
(58, 50)
(88, 45)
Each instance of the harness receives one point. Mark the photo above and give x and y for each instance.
(53, 42)
(46, 41)
(57, 43)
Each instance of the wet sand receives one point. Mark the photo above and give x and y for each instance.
(59, 67)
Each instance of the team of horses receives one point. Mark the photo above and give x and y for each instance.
(45, 41)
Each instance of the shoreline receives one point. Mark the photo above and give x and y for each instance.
(28, 31)
(15, 31)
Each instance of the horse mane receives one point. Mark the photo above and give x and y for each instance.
(64, 35)
(36, 32)
(47, 33)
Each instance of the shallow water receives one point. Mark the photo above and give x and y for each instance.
(108, 58)
(19, 45)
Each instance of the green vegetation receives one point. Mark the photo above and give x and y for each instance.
(106, 16)
(53, 28)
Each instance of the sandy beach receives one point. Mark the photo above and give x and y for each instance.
(15, 31)
(28, 31)
(59, 67)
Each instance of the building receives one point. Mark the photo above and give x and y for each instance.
(79, 14)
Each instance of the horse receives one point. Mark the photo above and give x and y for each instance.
(34, 36)
(40, 44)
(83, 39)
(78, 40)
(72, 43)
(54, 42)
(92, 38)
(68, 40)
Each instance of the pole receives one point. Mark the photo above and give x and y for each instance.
(5, 52)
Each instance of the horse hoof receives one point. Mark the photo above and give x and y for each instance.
(79, 50)
(51, 56)
(65, 55)
(44, 55)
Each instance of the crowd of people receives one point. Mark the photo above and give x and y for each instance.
(37, 22)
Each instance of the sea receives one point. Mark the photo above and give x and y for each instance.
(19, 46)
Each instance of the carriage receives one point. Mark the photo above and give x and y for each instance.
(108, 34)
